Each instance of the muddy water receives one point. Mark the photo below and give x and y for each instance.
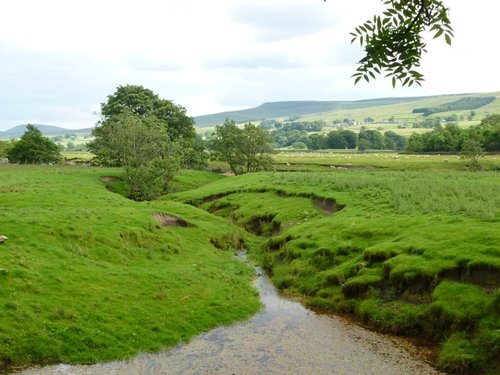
(284, 338)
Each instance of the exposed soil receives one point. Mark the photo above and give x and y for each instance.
(328, 206)
(214, 197)
(485, 276)
(264, 225)
(171, 221)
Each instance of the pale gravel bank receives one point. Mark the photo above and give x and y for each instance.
(284, 338)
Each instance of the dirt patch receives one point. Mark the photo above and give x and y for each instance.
(328, 206)
(214, 197)
(263, 225)
(107, 179)
(171, 221)
(484, 275)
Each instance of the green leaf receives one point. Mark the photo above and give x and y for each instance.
(393, 82)
(438, 34)
(447, 37)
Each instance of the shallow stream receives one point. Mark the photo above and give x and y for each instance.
(283, 338)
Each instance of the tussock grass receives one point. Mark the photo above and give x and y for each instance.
(88, 275)
(404, 245)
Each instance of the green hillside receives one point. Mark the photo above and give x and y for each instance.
(293, 108)
(46, 130)
(381, 110)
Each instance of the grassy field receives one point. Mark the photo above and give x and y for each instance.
(410, 252)
(408, 244)
(88, 275)
(329, 160)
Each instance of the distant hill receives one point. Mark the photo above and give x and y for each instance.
(293, 108)
(46, 130)
(380, 109)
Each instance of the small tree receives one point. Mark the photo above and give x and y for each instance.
(144, 148)
(34, 148)
(472, 151)
(245, 150)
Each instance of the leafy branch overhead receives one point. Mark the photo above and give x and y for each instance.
(394, 42)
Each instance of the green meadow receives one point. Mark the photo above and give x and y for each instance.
(88, 275)
(409, 252)
(408, 244)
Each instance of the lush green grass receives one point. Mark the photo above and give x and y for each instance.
(79, 155)
(411, 252)
(326, 160)
(188, 179)
(88, 275)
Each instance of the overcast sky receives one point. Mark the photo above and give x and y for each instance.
(60, 59)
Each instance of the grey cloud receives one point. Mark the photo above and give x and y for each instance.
(45, 87)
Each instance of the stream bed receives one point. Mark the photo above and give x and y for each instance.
(283, 338)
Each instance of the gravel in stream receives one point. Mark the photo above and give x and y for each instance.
(284, 338)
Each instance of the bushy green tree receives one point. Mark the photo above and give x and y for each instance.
(34, 148)
(489, 130)
(370, 139)
(142, 145)
(5, 147)
(145, 104)
(245, 150)
(317, 141)
(299, 146)
(451, 138)
(394, 141)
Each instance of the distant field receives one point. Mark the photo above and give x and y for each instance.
(390, 160)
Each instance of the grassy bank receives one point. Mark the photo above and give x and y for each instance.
(409, 252)
(88, 275)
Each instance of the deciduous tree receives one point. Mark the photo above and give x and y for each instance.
(245, 150)
(142, 145)
(5, 146)
(144, 104)
(34, 148)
